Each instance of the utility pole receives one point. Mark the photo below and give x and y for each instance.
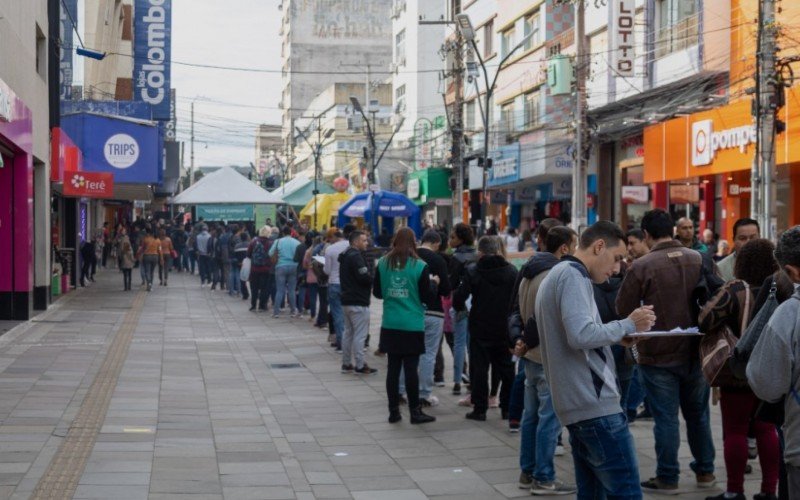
(191, 167)
(763, 190)
(579, 216)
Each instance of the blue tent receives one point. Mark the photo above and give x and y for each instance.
(387, 204)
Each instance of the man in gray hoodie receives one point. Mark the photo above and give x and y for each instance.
(773, 370)
(579, 365)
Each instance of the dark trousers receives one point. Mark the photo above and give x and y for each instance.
(322, 314)
(258, 290)
(106, 252)
(409, 365)
(204, 263)
(126, 278)
(86, 269)
(516, 402)
(243, 288)
(482, 355)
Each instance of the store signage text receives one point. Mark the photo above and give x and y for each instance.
(706, 141)
(413, 188)
(623, 16)
(507, 167)
(89, 184)
(6, 106)
(121, 151)
(152, 44)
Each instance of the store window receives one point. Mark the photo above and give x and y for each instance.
(488, 39)
(531, 27)
(507, 41)
(676, 26)
(532, 109)
(507, 117)
(400, 48)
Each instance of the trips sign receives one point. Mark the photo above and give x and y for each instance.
(89, 184)
(152, 55)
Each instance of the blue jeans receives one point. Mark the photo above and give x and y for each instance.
(433, 336)
(313, 289)
(301, 297)
(669, 390)
(460, 343)
(234, 279)
(605, 459)
(286, 285)
(516, 403)
(636, 393)
(624, 374)
(540, 427)
(203, 264)
(335, 306)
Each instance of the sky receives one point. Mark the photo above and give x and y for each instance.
(229, 105)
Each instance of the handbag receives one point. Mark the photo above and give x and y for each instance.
(173, 254)
(744, 347)
(244, 274)
(716, 351)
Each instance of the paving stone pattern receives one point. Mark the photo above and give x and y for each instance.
(202, 410)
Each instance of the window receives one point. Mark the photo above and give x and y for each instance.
(469, 115)
(488, 38)
(531, 110)
(677, 26)
(531, 27)
(400, 98)
(507, 117)
(41, 53)
(400, 48)
(507, 42)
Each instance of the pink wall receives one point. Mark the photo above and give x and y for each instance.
(16, 185)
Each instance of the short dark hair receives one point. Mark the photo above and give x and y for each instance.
(745, 221)
(489, 245)
(557, 236)
(658, 224)
(354, 235)
(431, 236)
(788, 250)
(347, 229)
(602, 230)
(755, 262)
(545, 226)
(636, 233)
(464, 233)
(287, 230)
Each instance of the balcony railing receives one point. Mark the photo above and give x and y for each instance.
(681, 35)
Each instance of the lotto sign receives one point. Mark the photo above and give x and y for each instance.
(89, 185)
(623, 19)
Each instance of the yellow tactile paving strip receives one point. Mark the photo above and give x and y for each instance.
(61, 478)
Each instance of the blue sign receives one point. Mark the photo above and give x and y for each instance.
(505, 165)
(152, 50)
(128, 149)
(69, 15)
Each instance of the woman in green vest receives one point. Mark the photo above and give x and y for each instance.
(403, 281)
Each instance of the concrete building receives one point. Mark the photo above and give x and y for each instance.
(24, 159)
(342, 153)
(109, 28)
(326, 41)
(268, 145)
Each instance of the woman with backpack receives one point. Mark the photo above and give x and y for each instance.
(260, 268)
(731, 308)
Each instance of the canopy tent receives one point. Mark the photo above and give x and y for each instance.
(327, 208)
(300, 196)
(226, 186)
(387, 205)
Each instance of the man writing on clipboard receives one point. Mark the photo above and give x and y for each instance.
(667, 279)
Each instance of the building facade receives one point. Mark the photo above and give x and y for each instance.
(109, 28)
(325, 42)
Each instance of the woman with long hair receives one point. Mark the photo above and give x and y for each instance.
(734, 302)
(167, 252)
(125, 258)
(403, 281)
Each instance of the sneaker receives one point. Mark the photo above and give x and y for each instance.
(475, 415)
(456, 389)
(752, 449)
(429, 401)
(513, 426)
(379, 353)
(366, 370)
(403, 399)
(494, 402)
(644, 415)
(438, 383)
(706, 480)
(555, 487)
(657, 485)
(525, 480)
(347, 368)
(467, 401)
(560, 451)
(464, 378)
(748, 469)
(724, 496)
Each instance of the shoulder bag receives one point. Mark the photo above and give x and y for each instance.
(744, 347)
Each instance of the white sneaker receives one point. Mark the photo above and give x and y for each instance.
(433, 400)
(560, 451)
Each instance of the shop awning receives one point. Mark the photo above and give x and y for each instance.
(300, 197)
(327, 209)
(226, 186)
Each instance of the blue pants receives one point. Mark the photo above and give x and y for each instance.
(670, 390)
(433, 336)
(540, 427)
(605, 459)
(335, 305)
(234, 279)
(204, 264)
(460, 343)
(286, 284)
(313, 290)
(516, 402)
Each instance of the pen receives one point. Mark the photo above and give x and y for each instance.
(634, 349)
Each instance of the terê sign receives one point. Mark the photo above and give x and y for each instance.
(88, 184)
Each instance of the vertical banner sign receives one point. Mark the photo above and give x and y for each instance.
(171, 130)
(152, 55)
(622, 37)
(69, 13)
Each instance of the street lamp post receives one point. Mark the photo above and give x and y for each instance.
(316, 150)
(468, 33)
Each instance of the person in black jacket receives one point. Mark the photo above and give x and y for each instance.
(461, 241)
(490, 282)
(356, 282)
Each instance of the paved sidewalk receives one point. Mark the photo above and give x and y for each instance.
(212, 401)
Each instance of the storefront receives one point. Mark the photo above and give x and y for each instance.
(16, 207)
(700, 164)
(429, 188)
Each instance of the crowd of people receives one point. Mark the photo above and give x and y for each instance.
(553, 345)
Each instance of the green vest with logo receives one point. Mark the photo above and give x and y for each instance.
(402, 306)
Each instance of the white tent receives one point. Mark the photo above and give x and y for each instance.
(226, 186)
(298, 182)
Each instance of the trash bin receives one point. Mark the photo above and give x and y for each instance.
(55, 284)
